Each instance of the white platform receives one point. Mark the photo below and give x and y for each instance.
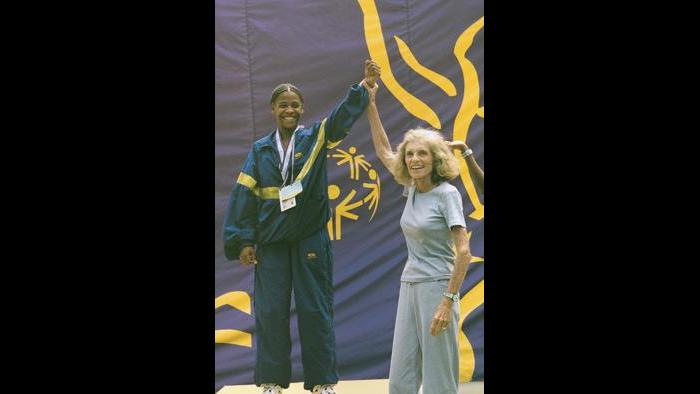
(378, 386)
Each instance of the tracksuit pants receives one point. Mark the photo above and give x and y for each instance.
(416, 356)
(306, 266)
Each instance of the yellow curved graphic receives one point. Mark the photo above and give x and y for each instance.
(238, 300)
(443, 83)
(233, 337)
(472, 300)
(474, 259)
(378, 53)
(468, 109)
(235, 299)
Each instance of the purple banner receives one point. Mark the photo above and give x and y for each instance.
(432, 56)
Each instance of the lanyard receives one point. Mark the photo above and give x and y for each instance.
(286, 158)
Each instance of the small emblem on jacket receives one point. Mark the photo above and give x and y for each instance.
(311, 256)
(298, 155)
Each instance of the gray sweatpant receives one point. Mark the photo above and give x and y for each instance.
(416, 356)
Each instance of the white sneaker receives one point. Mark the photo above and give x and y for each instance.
(269, 388)
(323, 389)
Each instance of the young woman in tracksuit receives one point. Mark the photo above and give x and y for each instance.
(276, 219)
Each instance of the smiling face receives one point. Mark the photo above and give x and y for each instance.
(287, 109)
(419, 161)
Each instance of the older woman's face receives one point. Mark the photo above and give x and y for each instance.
(419, 160)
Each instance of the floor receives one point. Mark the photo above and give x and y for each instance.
(348, 387)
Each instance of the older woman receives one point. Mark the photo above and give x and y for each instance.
(425, 349)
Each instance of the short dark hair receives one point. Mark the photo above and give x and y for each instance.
(285, 87)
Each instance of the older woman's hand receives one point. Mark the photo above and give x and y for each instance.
(442, 317)
(371, 91)
(457, 145)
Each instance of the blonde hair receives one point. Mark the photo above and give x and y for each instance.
(445, 165)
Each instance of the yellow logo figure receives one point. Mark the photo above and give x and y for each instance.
(342, 210)
(238, 300)
(346, 207)
(375, 192)
(470, 101)
(355, 162)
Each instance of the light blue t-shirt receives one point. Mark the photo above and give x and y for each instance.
(426, 223)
